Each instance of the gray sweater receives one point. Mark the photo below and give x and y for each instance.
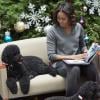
(60, 43)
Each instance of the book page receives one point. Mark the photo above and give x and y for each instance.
(92, 51)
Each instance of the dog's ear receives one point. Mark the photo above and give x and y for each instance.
(4, 57)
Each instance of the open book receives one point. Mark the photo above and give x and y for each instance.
(90, 56)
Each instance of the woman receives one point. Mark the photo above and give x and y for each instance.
(65, 40)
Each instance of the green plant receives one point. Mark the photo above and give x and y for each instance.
(10, 11)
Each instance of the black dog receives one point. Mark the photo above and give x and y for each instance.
(22, 68)
(86, 92)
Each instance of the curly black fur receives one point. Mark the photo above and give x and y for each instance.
(23, 68)
(86, 91)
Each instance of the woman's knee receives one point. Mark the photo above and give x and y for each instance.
(75, 70)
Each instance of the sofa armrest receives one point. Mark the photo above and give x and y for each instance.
(3, 78)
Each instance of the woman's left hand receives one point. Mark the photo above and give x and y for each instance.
(79, 56)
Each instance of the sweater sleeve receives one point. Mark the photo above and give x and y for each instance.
(82, 43)
(51, 43)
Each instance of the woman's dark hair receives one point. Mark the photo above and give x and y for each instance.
(68, 9)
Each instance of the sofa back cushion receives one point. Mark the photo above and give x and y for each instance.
(30, 47)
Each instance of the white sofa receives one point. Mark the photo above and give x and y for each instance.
(39, 85)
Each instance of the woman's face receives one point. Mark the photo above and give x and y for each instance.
(62, 19)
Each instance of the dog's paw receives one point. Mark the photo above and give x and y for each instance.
(24, 84)
(11, 84)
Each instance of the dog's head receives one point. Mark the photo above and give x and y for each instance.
(11, 54)
(88, 89)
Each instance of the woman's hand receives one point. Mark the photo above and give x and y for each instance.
(79, 56)
(73, 57)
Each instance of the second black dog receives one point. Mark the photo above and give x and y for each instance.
(86, 92)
